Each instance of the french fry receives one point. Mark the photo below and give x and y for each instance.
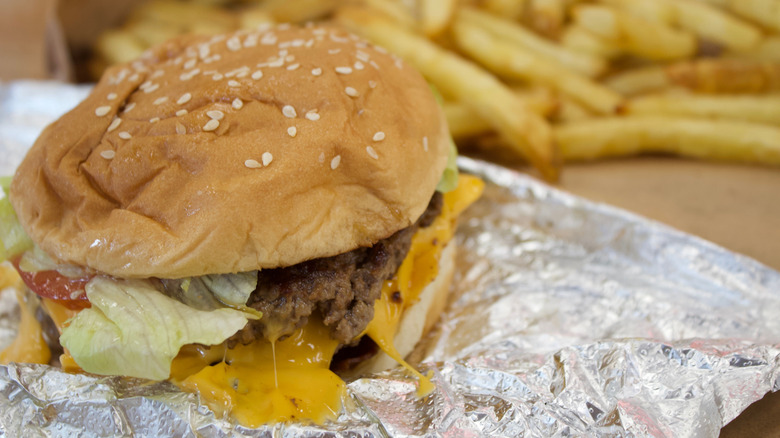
(585, 64)
(253, 17)
(571, 111)
(518, 63)
(720, 75)
(696, 138)
(183, 15)
(117, 46)
(435, 16)
(765, 12)
(396, 10)
(528, 133)
(546, 16)
(298, 11)
(714, 24)
(635, 35)
(767, 50)
(579, 40)
(725, 76)
(510, 9)
(758, 109)
(650, 10)
(465, 122)
(150, 33)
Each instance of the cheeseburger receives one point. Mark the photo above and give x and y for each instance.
(242, 215)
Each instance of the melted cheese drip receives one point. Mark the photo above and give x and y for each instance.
(29, 345)
(252, 387)
(60, 315)
(418, 270)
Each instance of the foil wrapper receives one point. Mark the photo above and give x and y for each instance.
(568, 318)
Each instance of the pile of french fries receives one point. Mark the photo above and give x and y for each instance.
(552, 80)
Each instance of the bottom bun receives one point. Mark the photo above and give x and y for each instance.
(418, 319)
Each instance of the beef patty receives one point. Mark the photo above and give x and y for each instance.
(342, 288)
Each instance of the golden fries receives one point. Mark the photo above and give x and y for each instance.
(699, 78)
(457, 78)
(634, 35)
(759, 109)
(511, 32)
(518, 63)
(696, 138)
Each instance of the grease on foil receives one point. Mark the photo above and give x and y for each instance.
(568, 318)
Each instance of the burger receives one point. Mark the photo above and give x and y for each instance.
(242, 215)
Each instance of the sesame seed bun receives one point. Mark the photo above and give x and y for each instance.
(247, 151)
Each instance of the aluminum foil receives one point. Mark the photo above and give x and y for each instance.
(568, 318)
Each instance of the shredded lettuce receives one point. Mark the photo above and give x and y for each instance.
(134, 330)
(209, 292)
(36, 259)
(13, 239)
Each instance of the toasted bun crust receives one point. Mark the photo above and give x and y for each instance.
(418, 319)
(348, 145)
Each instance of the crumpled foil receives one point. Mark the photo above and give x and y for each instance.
(568, 318)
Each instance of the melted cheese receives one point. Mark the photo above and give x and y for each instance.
(29, 345)
(264, 382)
(418, 270)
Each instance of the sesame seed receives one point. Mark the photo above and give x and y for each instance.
(276, 63)
(425, 144)
(374, 64)
(338, 39)
(257, 75)
(334, 51)
(371, 84)
(184, 98)
(267, 158)
(190, 64)
(319, 31)
(233, 44)
(217, 76)
(293, 67)
(298, 42)
(321, 158)
(145, 85)
(238, 103)
(312, 115)
(108, 154)
(216, 115)
(134, 77)
(289, 58)
(211, 125)
(292, 131)
(102, 110)
(317, 71)
(114, 124)
(289, 111)
(359, 65)
(252, 164)
(124, 135)
(344, 70)
(180, 129)
(309, 43)
(398, 63)
(283, 26)
(181, 112)
(372, 153)
(233, 83)
(380, 49)
(351, 92)
(242, 74)
(268, 39)
(250, 41)
(151, 88)
(160, 100)
(154, 120)
(363, 56)
(284, 45)
(334, 163)
(111, 96)
(379, 136)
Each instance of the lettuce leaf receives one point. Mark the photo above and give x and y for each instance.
(449, 179)
(13, 239)
(209, 292)
(134, 330)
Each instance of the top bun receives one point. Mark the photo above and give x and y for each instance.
(251, 150)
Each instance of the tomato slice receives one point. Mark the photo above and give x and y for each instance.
(67, 291)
